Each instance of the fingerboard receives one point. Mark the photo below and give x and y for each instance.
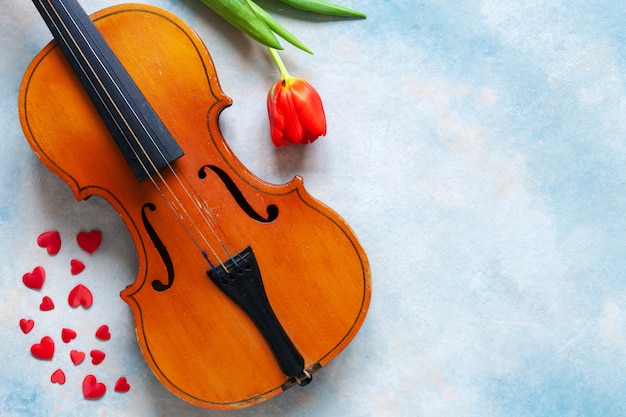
(141, 136)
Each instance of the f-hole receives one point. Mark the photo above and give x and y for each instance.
(271, 210)
(160, 247)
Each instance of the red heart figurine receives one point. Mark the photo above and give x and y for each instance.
(89, 241)
(46, 304)
(58, 377)
(27, 325)
(92, 389)
(51, 241)
(103, 332)
(122, 385)
(76, 266)
(77, 357)
(97, 356)
(44, 349)
(34, 280)
(80, 295)
(68, 335)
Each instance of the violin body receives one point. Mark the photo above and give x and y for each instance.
(198, 342)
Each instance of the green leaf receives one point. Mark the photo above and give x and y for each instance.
(239, 14)
(277, 27)
(324, 7)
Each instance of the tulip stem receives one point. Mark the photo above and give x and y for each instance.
(279, 63)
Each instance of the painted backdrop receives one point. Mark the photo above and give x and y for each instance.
(477, 148)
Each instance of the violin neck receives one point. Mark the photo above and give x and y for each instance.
(140, 134)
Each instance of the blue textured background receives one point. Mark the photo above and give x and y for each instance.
(478, 150)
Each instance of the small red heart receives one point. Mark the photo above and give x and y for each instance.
(80, 295)
(27, 325)
(46, 304)
(76, 266)
(89, 241)
(34, 280)
(44, 349)
(51, 241)
(92, 389)
(103, 332)
(68, 335)
(58, 377)
(77, 357)
(122, 385)
(97, 356)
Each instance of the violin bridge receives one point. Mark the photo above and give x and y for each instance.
(240, 279)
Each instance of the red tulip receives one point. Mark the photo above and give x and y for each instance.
(295, 111)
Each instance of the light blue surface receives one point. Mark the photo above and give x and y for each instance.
(478, 150)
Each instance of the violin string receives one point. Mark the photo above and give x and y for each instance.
(119, 112)
(138, 142)
(153, 166)
(200, 206)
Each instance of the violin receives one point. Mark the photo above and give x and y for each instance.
(244, 288)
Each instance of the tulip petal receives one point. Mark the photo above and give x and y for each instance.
(293, 130)
(277, 121)
(309, 108)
